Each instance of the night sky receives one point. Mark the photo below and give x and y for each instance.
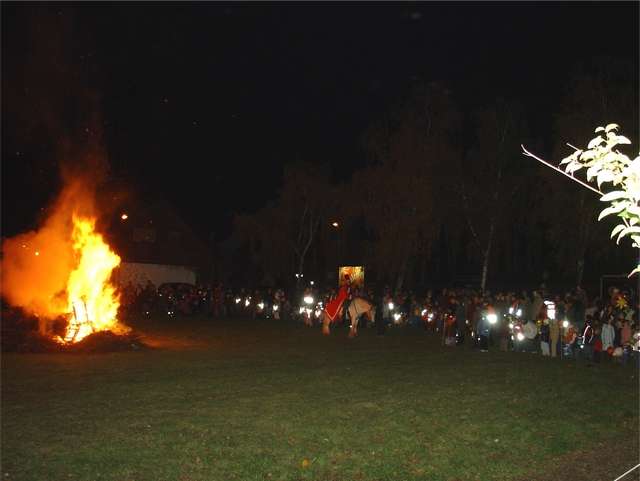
(204, 103)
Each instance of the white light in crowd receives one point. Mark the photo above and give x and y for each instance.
(318, 312)
(238, 300)
(424, 312)
(247, 302)
(390, 305)
(520, 336)
(124, 216)
(551, 309)
(335, 224)
(301, 310)
(397, 316)
(297, 276)
(565, 323)
(261, 305)
(275, 307)
(519, 312)
(492, 318)
(511, 325)
(511, 310)
(308, 300)
(308, 311)
(311, 282)
(430, 316)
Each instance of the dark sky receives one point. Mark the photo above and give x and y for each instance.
(204, 102)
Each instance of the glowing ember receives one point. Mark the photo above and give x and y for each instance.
(91, 299)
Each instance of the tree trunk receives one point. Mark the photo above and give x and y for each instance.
(579, 271)
(402, 272)
(487, 255)
(583, 239)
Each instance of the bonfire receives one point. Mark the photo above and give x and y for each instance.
(60, 273)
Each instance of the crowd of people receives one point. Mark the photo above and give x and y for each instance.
(570, 325)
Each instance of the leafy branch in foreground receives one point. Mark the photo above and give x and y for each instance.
(607, 165)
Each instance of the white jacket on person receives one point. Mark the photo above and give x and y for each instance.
(607, 335)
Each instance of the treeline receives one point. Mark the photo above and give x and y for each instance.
(446, 193)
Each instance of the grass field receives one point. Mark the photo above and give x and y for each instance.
(255, 400)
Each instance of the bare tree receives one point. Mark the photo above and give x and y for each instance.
(489, 178)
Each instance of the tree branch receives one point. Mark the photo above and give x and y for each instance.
(584, 184)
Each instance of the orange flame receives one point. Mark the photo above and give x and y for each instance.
(91, 298)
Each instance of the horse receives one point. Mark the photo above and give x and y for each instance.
(357, 308)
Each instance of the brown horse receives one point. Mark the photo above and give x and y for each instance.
(357, 308)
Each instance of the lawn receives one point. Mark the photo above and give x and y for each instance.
(260, 400)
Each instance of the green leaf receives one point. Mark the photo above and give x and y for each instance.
(605, 176)
(593, 171)
(571, 158)
(635, 271)
(574, 167)
(617, 230)
(595, 142)
(611, 127)
(588, 155)
(616, 194)
(611, 210)
(599, 129)
(634, 210)
(627, 231)
(621, 139)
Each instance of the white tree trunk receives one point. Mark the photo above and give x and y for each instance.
(487, 256)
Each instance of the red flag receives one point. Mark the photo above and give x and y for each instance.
(333, 307)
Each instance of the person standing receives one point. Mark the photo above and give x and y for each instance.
(383, 308)
(588, 338)
(461, 319)
(554, 336)
(608, 335)
(545, 336)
